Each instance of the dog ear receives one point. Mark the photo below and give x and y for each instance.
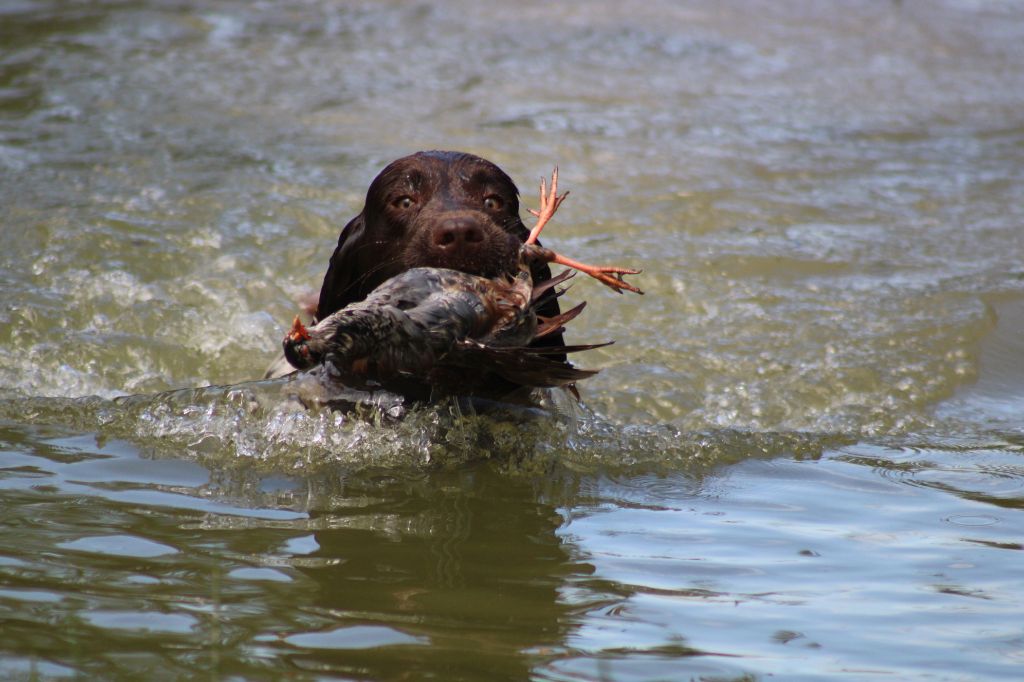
(338, 289)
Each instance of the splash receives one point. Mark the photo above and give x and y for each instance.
(294, 425)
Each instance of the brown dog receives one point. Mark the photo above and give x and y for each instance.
(432, 209)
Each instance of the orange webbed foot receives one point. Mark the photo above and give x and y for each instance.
(610, 275)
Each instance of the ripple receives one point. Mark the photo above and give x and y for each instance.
(990, 474)
(141, 621)
(31, 595)
(252, 573)
(355, 637)
(30, 668)
(972, 520)
(119, 545)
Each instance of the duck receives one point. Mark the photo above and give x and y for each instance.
(431, 332)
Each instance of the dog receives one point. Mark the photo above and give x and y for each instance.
(436, 209)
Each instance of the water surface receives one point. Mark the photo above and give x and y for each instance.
(802, 458)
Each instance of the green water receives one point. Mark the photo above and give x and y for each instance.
(802, 458)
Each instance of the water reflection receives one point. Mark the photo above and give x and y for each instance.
(437, 557)
(382, 572)
(494, 566)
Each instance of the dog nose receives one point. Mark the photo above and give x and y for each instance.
(456, 233)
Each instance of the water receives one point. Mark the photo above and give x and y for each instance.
(801, 459)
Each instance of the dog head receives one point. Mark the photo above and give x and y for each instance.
(431, 209)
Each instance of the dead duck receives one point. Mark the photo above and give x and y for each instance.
(431, 332)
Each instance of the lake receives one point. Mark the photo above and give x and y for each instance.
(802, 459)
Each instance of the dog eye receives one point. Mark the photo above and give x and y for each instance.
(492, 202)
(402, 202)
